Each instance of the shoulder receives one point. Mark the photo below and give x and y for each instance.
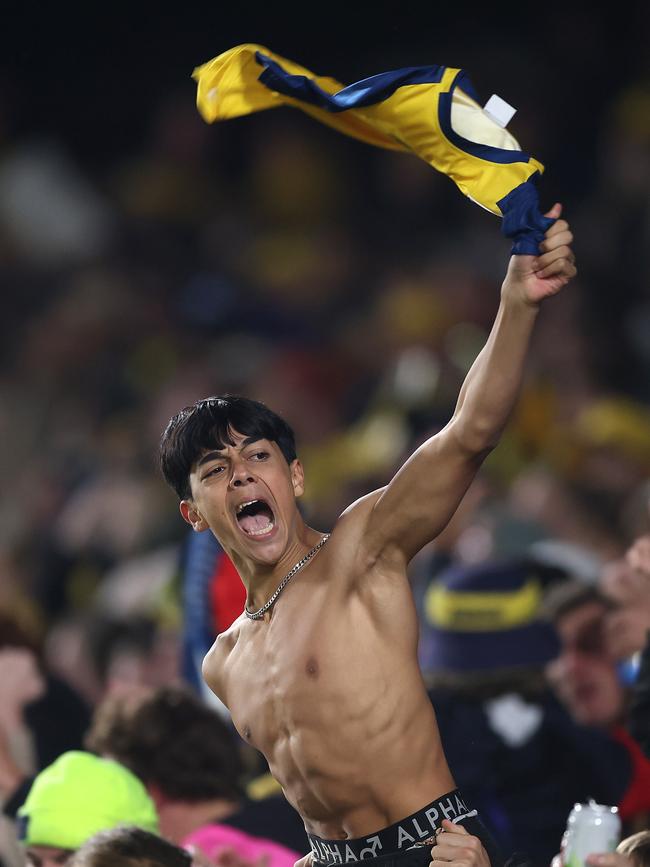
(361, 509)
(216, 659)
(350, 529)
(348, 549)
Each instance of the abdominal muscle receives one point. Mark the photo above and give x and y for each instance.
(347, 786)
(334, 698)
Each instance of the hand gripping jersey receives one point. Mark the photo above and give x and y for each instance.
(431, 111)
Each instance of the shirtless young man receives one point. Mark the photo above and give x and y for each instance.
(325, 681)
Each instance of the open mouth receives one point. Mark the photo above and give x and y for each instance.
(255, 518)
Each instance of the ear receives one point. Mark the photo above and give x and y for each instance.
(297, 478)
(192, 515)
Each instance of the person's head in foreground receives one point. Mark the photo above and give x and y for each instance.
(74, 798)
(129, 847)
(232, 461)
(181, 750)
(633, 851)
(584, 675)
(636, 848)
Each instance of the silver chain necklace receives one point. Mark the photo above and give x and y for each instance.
(256, 615)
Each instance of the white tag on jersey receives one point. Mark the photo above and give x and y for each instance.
(499, 110)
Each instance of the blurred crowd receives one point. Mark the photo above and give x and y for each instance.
(350, 289)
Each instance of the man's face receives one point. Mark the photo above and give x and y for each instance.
(245, 493)
(46, 856)
(584, 676)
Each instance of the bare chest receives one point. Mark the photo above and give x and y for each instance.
(316, 665)
(275, 675)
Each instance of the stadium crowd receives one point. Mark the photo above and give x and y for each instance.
(350, 290)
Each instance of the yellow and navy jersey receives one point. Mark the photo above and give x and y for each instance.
(431, 111)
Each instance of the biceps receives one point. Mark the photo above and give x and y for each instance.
(421, 499)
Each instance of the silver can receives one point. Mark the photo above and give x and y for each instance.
(591, 828)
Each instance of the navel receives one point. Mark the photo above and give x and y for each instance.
(312, 667)
(247, 733)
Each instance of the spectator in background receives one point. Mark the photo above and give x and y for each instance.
(41, 716)
(190, 764)
(583, 674)
(628, 621)
(509, 744)
(20, 684)
(74, 798)
(131, 653)
(628, 631)
(587, 680)
(53, 712)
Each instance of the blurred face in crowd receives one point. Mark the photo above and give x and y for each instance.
(246, 493)
(584, 676)
(46, 856)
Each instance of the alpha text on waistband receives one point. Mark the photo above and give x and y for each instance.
(407, 832)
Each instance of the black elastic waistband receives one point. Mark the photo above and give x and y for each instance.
(403, 834)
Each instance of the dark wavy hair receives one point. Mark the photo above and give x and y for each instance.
(169, 738)
(209, 424)
(129, 847)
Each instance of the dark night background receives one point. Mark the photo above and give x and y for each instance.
(148, 260)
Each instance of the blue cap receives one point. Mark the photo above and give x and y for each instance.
(484, 617)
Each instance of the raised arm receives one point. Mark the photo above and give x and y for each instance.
(424, 494)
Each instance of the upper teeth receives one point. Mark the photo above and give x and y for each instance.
(243, 505)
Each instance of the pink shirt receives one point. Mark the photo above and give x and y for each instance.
(212, 839)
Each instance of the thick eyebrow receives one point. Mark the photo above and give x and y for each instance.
(215, 455)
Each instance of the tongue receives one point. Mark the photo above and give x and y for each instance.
(253, 523)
